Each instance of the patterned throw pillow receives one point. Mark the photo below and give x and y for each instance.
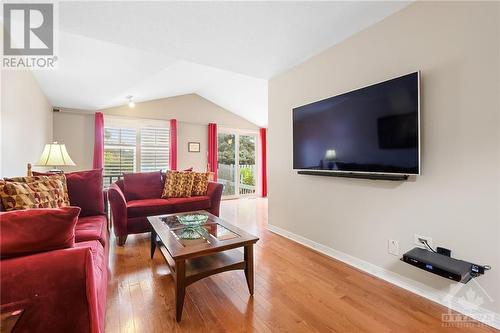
(178, 184)
(200, 184)
(2, 184)
(30, 179)
(34, 192)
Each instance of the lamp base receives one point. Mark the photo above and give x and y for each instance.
(56, 171)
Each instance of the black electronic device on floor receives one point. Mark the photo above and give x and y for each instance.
(443, 265)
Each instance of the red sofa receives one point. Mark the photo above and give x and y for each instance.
(137, 196)
(63, 290)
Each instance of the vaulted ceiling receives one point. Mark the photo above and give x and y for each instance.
(223, 51)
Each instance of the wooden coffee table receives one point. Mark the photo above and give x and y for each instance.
(196, 253)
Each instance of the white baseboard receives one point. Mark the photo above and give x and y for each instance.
(480, 314)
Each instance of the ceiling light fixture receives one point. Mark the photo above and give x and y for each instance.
(131, 103)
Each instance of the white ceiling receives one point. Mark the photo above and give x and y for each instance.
(223, 51)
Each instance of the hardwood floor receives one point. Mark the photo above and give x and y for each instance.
(296, 290)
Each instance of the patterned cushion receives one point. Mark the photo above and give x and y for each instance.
(58, 176)
(34, 192)
(30, 179)
(178, 184)
(200, 183)
(2, 184)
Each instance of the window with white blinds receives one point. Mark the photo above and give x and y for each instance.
(131, 147)
(119, 152)
(154, 148)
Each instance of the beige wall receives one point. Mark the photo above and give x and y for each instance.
(190, 108)
(76, 131)
(187, 132)
(26, 122)
(456, 201)
(193, 113)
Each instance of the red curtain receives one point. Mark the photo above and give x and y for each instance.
(173, 144)
(263, 150)
(99, 141)
(212, 149)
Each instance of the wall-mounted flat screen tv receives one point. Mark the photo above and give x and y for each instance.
(374, 129)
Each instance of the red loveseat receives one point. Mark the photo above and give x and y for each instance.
(138, 195)
(61, 290)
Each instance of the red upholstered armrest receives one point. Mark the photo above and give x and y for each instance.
(57, 289)
(215, 193)
(118, 205)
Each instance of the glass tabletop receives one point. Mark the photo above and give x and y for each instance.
(196, 233)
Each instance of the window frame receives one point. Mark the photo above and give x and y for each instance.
(137, 124)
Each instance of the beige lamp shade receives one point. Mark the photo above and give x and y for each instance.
(55, 154)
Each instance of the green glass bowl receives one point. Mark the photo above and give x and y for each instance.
(193, 220)
(190, 233)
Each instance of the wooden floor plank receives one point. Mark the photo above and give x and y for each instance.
(296, 290)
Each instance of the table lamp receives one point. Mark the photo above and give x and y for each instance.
(55, 155)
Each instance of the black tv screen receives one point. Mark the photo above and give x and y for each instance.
(372, 130)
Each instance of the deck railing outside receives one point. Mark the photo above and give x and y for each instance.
(108, 180)
(226, 175)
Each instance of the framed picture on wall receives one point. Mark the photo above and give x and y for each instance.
(193, 147)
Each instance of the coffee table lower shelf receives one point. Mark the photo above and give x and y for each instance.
(202, 267)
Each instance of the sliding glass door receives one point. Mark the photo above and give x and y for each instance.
(247, 166)
(237, 167)
(226, 170)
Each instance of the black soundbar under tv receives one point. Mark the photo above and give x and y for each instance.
(354, 175)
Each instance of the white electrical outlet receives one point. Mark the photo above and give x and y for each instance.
(393, 247)
(420, 244)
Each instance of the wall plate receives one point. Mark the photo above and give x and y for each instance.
(393, 247)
